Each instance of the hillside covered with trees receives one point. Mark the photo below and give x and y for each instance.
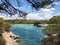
(53, 20)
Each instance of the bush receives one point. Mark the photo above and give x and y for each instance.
(1, 25)
(2, 41)
(53, 29)
(7, 26)
(55, 20)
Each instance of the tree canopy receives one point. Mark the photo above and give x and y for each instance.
(6, 5)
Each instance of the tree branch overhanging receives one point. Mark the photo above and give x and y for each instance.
(37, 4)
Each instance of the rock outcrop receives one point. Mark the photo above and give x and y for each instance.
(11, 39)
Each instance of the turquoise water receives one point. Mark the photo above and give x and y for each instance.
(29, 34)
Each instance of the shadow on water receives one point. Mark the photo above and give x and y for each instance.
(29, 34)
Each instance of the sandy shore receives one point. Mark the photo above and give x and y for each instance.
(43, 24)
(8, 39)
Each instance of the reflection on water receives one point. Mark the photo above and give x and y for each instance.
(29, 34)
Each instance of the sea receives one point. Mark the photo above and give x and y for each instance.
(29, 34)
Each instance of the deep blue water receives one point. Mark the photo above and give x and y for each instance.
(29, 34)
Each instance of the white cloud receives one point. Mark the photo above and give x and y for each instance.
(36, 16)
(57, 3)
(45, 10)
(33, 16)
(6, 17)
(44, 14)
(42, 9)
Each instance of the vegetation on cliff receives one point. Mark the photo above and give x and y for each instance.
(4, 26)
(52, 29)
(55, 20)
(54, 25)
(2, 41)
(53, 35)
(53, 32)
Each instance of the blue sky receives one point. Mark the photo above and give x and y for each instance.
(42, 14)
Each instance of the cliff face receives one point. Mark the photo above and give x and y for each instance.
(53, 39)
(10, 38)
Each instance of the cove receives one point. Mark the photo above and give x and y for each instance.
(29, 34)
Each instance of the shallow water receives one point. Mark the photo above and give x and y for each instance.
(29, 34)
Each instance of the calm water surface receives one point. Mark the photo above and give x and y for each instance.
(29, 34)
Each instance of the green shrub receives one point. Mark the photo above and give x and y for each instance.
(2, 41)
(55, 20)
(52, 29)
(1, 25)
(7, 26)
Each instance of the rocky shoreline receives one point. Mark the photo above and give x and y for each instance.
(11, 39)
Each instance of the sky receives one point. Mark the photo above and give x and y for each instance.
(41, 14)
